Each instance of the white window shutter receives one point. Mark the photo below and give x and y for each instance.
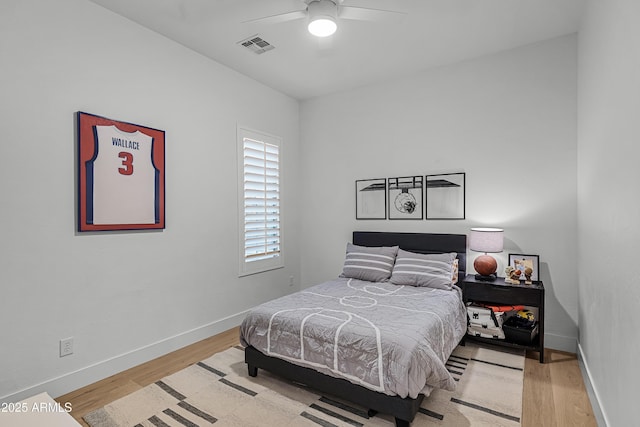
(259, 189)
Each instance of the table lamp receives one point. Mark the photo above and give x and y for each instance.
(486, 240)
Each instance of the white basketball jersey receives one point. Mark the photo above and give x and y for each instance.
(125, 181)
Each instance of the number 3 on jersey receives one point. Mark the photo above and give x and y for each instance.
(127, 163)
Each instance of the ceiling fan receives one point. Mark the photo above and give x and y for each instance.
(323, 15)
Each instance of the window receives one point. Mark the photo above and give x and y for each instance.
(259, 188)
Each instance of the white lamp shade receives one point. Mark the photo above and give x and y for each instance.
(486, 240)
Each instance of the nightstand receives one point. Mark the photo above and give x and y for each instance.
(500, 292)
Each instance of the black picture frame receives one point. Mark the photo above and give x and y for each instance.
(518, 260)
(405, 197)
(371, 198)
(445, 196)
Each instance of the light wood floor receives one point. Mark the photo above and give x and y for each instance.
(554, 393)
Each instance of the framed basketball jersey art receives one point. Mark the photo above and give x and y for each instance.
(120, 175)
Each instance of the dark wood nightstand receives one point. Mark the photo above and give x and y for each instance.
(499, 292)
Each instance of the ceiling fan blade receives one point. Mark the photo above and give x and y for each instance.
(367, 14)
(281, 17)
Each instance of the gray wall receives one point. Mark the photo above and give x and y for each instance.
(124, 297)
(608, 205)
(507, 120)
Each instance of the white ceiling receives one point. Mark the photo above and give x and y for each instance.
(432, 33)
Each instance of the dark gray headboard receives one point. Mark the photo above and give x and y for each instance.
(424, 243)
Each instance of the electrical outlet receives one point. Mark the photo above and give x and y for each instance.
(290, 280)
(66, 346)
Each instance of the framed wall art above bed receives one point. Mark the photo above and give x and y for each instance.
(428, 197)
(371, 198)
(445, 194)
(406, 197)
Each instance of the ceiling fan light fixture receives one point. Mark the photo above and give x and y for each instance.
(322, 17)
(322, 27)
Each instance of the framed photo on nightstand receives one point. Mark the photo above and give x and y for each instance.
(522, 262)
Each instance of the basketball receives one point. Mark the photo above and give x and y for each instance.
(485, 265)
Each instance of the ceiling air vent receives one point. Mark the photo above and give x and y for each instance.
(256, 44)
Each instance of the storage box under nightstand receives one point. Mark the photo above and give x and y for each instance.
(520, 334)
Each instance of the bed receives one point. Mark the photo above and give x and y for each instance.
(377, 344)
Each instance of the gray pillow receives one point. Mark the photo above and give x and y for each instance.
(373, 264)
(427, 270)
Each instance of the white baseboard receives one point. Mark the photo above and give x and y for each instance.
(560, 342)
(594, 397)
(105, 368)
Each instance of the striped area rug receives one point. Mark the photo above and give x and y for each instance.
(218, 391)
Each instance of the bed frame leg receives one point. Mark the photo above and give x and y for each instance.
(253, 371)
(402, 423)
(372, 413)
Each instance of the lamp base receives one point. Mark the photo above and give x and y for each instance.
(489, 278)
(486, 265)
